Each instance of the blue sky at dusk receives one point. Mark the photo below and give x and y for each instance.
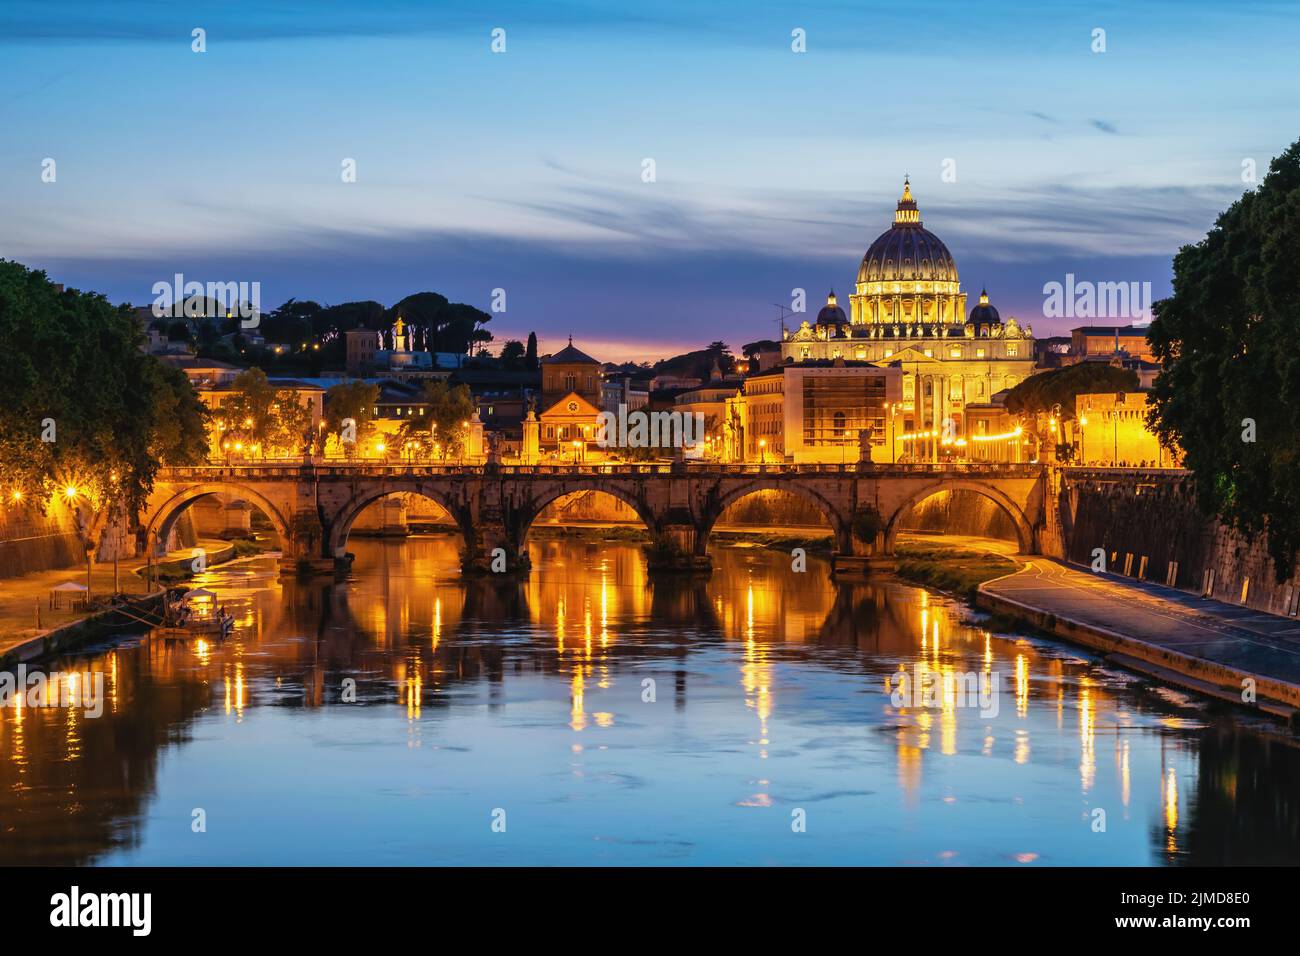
(523, 170)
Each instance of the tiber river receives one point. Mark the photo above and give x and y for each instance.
(586, 717)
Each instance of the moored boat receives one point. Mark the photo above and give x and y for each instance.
(194, 614)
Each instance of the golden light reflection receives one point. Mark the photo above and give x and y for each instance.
(755, 678)
(1022, 746)
(577, 710)
(604, 610)
(1170, 801)
(414, 694)
(1022, 686)
(1125, 782)
(1087, 741)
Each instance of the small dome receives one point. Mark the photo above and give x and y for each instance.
(831, 313)
(984, 314)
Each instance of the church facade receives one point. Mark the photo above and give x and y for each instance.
(908, 311)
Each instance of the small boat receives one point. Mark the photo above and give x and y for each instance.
(194, 614)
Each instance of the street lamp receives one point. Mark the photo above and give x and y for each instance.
(762, 451)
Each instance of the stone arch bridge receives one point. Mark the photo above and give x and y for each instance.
(313, 506)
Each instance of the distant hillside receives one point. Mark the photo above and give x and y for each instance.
(698, 364)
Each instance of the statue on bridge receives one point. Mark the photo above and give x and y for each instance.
(864, 444)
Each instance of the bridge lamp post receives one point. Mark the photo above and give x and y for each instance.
(762, 451)
(1083, 423)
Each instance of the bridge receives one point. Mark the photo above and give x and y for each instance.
(313, 505)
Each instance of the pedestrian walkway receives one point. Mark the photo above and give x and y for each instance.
(1203, 640)
(26, 599)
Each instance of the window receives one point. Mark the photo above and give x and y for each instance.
(980, 353)
(929, 353)
(1012, 350)
(954, 352)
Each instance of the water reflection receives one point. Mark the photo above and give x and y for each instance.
(382, 719)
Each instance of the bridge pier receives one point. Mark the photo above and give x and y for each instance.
(302, 551)
(857, 558)
(493, 549)
(678, 548)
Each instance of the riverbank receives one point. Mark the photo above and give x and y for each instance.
(1231, 653)
(956, 570)
(92, 626)
(30, 628)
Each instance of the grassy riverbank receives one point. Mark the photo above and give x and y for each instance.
(947, 569)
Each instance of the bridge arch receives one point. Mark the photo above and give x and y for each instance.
(1024, 532)
(564, 489)
(159, 521)
(341, 527)
(840, 524)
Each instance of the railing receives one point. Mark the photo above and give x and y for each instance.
(296, 469)
(1103, 473)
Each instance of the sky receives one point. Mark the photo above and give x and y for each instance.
(1031, 154)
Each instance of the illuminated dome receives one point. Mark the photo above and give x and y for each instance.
(907, 252)
(907, 277)
(831, 313)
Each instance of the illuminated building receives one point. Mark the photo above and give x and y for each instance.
(814, 412)
(571, 398)
(1110, 428)
(908, 310)
(1125, 341)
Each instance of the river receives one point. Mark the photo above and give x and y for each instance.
(404, 716)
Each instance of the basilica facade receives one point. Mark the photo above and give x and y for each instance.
(908, 311)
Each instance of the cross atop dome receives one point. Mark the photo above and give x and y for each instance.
(907, 212)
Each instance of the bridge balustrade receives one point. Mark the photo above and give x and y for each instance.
(296, 468)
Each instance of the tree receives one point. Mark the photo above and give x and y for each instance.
(530, 352)
(259, 418)
(512, 354)
(84, 413)
(449, 327)
(1038, 396)
(443, 428)
(180, 433)
(1228, 393)
(345, 401)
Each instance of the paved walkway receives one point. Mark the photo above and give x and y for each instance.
(1228, 639)
(20, 596)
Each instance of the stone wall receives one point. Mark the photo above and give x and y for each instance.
(31, 541)
(1148, 527)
